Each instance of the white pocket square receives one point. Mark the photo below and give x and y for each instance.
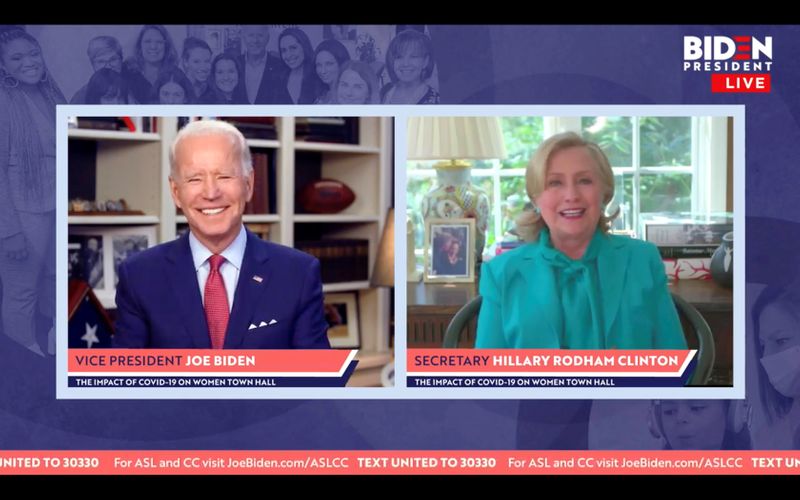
(253, 326)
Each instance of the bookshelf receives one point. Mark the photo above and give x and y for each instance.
(135, 166)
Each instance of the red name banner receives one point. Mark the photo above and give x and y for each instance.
(205, 462)
(294, 362)
(650, 362)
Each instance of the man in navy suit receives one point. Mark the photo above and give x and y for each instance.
(272, 293)
(264, 74)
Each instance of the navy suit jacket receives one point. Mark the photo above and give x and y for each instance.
(277, 304)
(272, 89)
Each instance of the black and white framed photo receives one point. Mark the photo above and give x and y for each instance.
(96, 252)
(341, 314)
(85, 249)
(450, 250)
(126, 243)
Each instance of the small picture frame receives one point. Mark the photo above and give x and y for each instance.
(341, 313)
(449, 251)
(96, 252)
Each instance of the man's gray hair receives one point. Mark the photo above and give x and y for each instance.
(213, 127)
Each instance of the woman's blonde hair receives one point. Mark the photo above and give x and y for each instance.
(530, 222)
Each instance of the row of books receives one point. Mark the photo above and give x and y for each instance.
(254, 127)
(122, 123)
(687, 241)
(263, 201)
(686, 230)
(343, 130)
(323, 129)
(341, 260)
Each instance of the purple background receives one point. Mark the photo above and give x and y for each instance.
(476, 65)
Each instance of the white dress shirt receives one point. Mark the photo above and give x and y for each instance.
(229, 269)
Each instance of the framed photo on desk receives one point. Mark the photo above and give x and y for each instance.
(449, 251)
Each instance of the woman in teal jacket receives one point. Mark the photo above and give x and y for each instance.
(574, 286)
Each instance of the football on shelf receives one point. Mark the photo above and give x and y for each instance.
(326, 196)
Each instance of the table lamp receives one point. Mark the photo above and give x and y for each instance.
(454, 140)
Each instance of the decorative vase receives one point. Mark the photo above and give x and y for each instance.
(722, 262)
(455, 197)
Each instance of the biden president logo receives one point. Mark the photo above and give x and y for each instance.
(736, 63)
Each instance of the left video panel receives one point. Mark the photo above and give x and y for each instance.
(222, 257)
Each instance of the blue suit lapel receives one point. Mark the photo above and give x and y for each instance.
(538, 294)
(612, 264)
(248, 290)
(183, 280)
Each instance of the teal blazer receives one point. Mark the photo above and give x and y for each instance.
(521, 302)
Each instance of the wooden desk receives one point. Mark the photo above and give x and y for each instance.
(431, 306)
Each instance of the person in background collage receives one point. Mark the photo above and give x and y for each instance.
(776, 343)
(196, 61)
(172, 87)
(28, 98)
(154, 54)
(409, 62)
(297, 53)
(357, 84)
(226, 80)
(328, 59)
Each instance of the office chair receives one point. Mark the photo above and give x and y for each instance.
(699, 328)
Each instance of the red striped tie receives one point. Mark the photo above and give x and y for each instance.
(216, 303)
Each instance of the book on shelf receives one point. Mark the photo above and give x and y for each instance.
(260, 202)
(687, 234)
(103, 123)
(685, 229)
(683, 252)
(343, 130)
(148, 124)
(340, 260)
(254, 127)
(505, 246)
(260, 229)
(688, 269)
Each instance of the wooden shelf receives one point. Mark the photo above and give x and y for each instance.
(336, 218)
(332, 147)
(181, 219)
(346, 286)
(112, 220)
(116, 135)
(263, 143)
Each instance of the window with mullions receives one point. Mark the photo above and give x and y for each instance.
(661, 164)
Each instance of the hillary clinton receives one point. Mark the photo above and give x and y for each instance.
(573, 285)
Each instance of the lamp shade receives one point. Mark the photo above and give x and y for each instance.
(383, 272)
(455, 137)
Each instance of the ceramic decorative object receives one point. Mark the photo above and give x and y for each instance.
(722, 262)
(455, 197)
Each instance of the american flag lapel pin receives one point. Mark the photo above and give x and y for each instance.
(257, 278)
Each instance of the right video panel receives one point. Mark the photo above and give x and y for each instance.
(583, 253)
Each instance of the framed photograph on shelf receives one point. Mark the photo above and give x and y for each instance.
(449, 250)
(341, 313)
(95, 254)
